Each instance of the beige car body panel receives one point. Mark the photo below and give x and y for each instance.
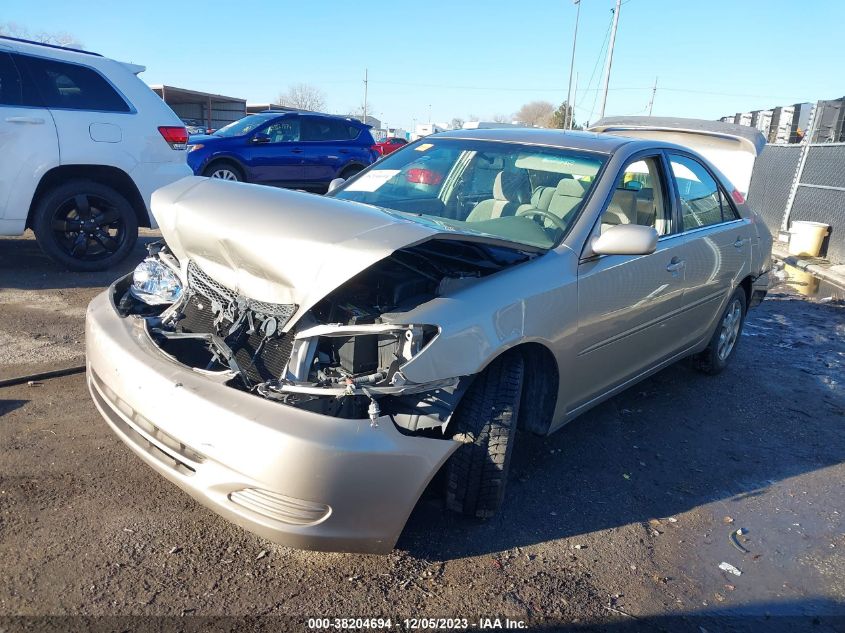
(608, 320)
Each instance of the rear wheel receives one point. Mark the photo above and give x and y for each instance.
(85, 225)
(350, 171)
(721, 348)
(224, 171)
(486, 422)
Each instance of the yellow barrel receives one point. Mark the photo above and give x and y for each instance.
(805, 238)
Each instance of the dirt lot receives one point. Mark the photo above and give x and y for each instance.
(619, 520)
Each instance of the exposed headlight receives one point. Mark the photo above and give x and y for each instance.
(191, 148)
(154, 283)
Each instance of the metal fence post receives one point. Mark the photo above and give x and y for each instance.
(806, 142)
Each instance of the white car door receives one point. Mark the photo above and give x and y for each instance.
(96, 123)
(28, 146)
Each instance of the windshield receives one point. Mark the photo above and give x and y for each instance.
(244, 125)
(519, 193)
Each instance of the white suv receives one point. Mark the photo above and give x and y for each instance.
(84, 143)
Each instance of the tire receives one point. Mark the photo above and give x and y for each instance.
(85, 225)
(486, 420)
(722, 345)
(350, 171)
(224, 170)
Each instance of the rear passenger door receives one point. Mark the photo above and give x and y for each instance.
(629, 306)
(326, 148)
(716, 242)
(28, 146)
(93, 119)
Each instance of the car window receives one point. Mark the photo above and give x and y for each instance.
(521, 193)
(10, 81)
(283, 131)
(352, 132)
(243, 126)
(72, 87)
(639, 197)
(703, 203)
(319, 129)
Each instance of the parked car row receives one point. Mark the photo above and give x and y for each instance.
(85, 142)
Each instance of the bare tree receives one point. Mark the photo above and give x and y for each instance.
(502, 118)
(536, 113)
(59, 38)
(303, 96)
(457, 123)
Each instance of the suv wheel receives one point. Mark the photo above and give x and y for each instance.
(85, 225)
(718, 352)
(486, 421)
(223, 171)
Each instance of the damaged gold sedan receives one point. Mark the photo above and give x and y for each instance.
(305, 365)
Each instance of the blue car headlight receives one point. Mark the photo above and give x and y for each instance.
(154, 283)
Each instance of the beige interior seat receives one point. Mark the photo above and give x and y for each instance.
(566, 197)
(509, 194)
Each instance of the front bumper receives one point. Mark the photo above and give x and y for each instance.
(294, 477)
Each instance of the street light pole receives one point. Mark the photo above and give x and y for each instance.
(651, 101)
(572, 62)
(610, 57)
(365, 96)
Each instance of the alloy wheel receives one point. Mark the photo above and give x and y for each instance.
(729, 330)
(88, 227)
(224, 174)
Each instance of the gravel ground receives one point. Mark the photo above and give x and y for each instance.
(619, 520)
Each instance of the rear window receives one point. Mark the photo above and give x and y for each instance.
(10, 81)
(72, 87)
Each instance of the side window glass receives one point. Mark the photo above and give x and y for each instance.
(10, 81)
(321, 130)
(352, 132)
(639, 198)
(73, 87)
(702, 201)
(283, 131)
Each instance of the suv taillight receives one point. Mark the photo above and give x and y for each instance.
(176, 137)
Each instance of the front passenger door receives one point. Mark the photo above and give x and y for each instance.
(629, 305)
(274, 154)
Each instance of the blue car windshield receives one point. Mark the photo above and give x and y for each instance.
(527, 194)
(244, 125)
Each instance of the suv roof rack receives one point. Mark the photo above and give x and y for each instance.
(64, 48)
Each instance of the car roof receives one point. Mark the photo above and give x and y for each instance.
(564, 139)
(16, 42)
(271, 112)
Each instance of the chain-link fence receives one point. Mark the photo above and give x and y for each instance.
(818, 186)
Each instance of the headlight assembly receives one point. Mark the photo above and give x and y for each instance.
(154, 283)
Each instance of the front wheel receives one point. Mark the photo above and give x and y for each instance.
(485, 422)
(223, 171)
(722, 345)
(85, 225)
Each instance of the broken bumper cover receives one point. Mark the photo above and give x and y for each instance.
(294, 477)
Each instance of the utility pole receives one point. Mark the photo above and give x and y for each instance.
(572, 107)
(610, 57)
(365, 97)
(651, 101)
(429, 113)
(572, 62)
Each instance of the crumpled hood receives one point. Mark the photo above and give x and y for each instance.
(275, 245)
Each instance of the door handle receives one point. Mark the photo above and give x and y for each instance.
(740, 242)
(296, 150)
(675, 265)
(25, 119)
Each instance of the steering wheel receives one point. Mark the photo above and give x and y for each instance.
(546, 214)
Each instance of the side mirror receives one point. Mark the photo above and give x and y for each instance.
(626, 239)
(334, 184)
(260, 138)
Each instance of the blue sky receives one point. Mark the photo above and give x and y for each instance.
(712, 57)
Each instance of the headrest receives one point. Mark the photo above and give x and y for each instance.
(570, 187)
(510, 186)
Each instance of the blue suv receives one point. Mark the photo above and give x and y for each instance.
(290, 149)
